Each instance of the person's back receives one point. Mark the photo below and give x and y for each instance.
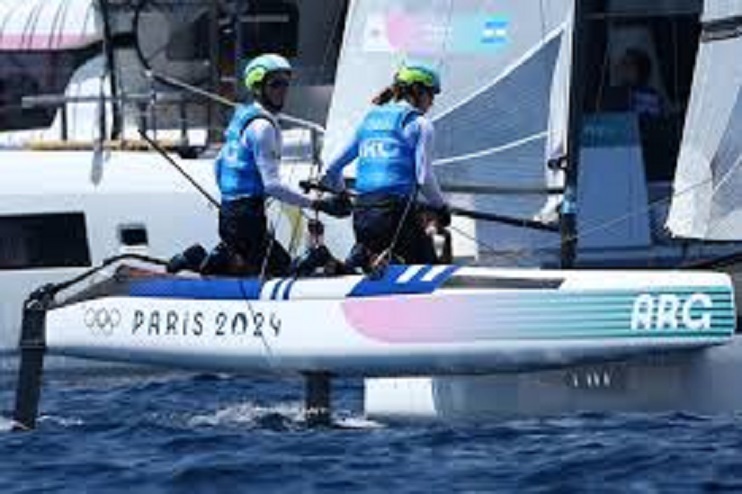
(236, 169)
(393, 147)
(386, 158)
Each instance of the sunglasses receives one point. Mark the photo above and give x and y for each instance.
(278, 83)
(430, 92)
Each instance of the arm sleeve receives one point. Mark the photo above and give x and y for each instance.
(340, 160)
(421, 132)
(267, 159)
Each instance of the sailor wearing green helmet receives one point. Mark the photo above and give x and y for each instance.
(247, 172)
(393, 147)
(419, 74)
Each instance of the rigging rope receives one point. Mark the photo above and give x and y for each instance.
(171, 81)
(389, 251)
(513, 254)
(172, 162)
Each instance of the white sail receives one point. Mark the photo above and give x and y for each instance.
(707, 202)
(558, 128)
(497, 62)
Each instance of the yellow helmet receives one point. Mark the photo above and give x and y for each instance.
(419, 73)
(259, 67)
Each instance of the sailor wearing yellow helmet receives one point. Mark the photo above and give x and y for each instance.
(393, 147)
(247, 172)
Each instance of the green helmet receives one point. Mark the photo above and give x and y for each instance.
(261, 66)
(420, 73)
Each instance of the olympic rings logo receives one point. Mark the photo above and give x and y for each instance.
(102, 321)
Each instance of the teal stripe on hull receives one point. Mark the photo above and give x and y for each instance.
(627, 335)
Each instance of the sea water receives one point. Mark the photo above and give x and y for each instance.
(181, 432)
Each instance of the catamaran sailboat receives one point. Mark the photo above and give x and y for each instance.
(503, 341)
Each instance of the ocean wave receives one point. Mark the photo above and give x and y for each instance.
(280, 416)
(6, 424)
(61, 421)
(250, 414)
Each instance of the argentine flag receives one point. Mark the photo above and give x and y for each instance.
(480, 34)
(495, 32)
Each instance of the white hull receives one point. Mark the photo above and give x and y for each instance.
(503, 342)
(315, 336)
(411, 321)
(699, 381)
(545, 342)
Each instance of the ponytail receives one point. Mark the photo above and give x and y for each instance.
(398, 92)
(388, 94)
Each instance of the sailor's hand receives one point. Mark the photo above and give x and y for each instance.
(434, 219)
(329, 183)
(338, 206)
(443, 215)
(324, 184)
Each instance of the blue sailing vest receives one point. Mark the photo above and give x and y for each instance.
(386, 161)
(236, 172)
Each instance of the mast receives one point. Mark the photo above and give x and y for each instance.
(110, 69)
(568, 214)
(212, 110)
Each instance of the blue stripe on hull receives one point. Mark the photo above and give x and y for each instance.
(395, 280)
(276, 288)
(289, 286)
(215, 289)
(392, 282)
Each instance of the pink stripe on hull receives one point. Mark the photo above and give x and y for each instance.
(403, 319)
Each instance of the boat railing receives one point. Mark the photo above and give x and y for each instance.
(146, 106)
(62, 102)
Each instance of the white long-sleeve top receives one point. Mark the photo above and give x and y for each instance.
(266, 141)
(420, 134)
